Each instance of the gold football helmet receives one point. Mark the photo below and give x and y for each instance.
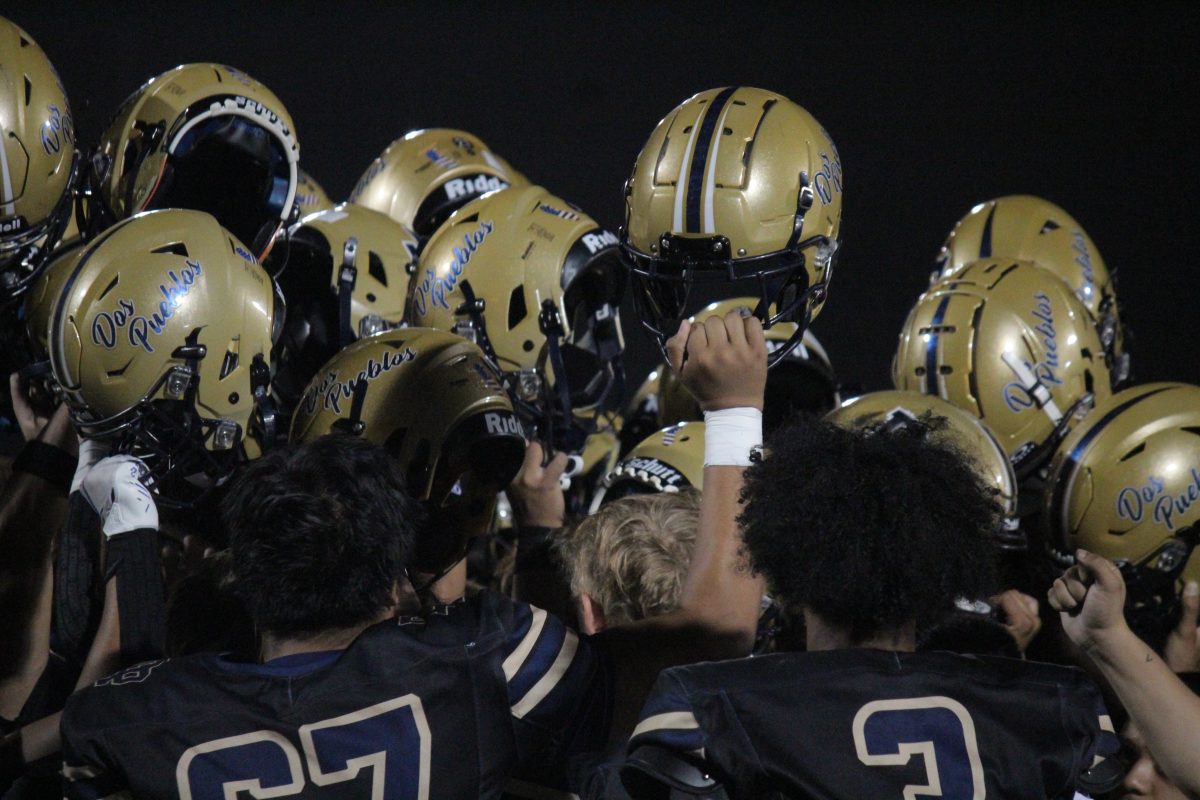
(201, 136)
(160, 340)
(38, 160)
(344, 275)
(44, 293)
(943, 422)
(437, 405)
(1125, 483)
(310, 197)
(736, 186)
(426, 175)
(536, 284)
(1033, 229)
(1009, 342)
(665, 461)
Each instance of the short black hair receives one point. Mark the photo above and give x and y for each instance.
(869, 529)
(319, 535)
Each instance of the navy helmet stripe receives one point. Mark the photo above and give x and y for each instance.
(985, 243)
(700, 156)
(931, 367)
(1076, 453)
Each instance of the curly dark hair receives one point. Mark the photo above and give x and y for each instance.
(319, 535)
(871, 530)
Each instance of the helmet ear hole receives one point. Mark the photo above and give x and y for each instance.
(517, 311)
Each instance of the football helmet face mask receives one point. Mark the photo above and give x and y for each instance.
(426, 175)
(1009, 342)
(1032, 229)
(738, 187)
(536, 284)
(434, 401)
(943, 422)
(201, 136)
(344, 275)
(1124, 484)
(38, 160)
(160, 341)
(665, 461)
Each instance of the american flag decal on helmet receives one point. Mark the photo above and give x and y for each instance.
(668, 436)
(445, 162)
(560, 213)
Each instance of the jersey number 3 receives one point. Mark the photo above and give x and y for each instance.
(390, 739)
(891, 732)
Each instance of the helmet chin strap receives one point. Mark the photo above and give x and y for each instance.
(347, 277)
(260, 383)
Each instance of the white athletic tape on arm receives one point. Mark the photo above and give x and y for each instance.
(729, 436)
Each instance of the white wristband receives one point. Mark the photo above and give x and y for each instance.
(729, 436)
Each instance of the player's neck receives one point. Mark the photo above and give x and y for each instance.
(820, 635)
(274, 647)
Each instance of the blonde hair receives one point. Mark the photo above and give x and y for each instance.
(631, 556)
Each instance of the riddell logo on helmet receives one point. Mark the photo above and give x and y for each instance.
(502, 425)
(473, 185)
(12, 224)
(599, 240)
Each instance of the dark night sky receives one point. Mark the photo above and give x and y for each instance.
(933, 106)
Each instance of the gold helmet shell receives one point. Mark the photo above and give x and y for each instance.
(434, 401)
(738, 186)
(44, 293)
(1125, 484)
(426, 175)
(344, 275)
(534, 281)
(946, 422)
(1009, 342)
(665, 461)
(310, 197)
(1034, 229)
(38, 159)
(161, 340)
(206, 137)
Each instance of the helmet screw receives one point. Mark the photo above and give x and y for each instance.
(741, 251)
(716, 246)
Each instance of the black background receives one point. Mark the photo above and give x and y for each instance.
(933, 107)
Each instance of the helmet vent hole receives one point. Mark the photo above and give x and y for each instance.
(229, 364)
(1087, 381)
(688, 129)
(1086, 353)
(24, 41)
(945, 369)
(1193, 431)
(175, 249)
(517, 310)
(28, 90)
(727, 131)
(1133, 452)
(370, 297)
(119, 371)
(376, 269)
(1049, 225)
(920, 372)
(527, 346)
(111, 285)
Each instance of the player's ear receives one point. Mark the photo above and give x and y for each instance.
(591, 614)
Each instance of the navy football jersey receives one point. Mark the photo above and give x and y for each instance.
(409, 710)
(870, 723)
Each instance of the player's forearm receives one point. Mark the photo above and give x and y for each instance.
(719, 593)
(1165, 710)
